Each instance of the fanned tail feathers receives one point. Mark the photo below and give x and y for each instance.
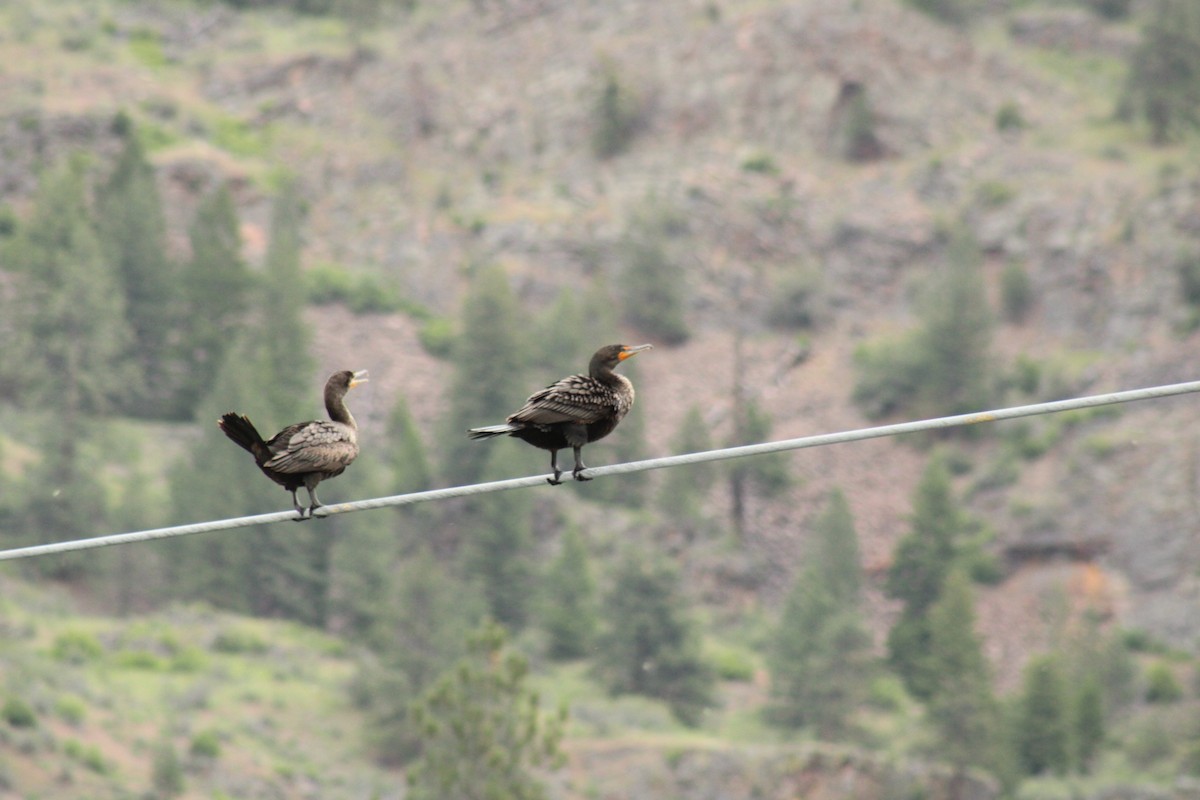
(242, 432)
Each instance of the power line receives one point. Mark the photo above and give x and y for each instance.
(719, 454)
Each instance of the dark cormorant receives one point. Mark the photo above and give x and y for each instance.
(306, 453)
(574, 410)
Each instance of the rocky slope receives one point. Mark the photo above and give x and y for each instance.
(460, 134)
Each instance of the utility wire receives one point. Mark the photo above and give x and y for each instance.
(720, 454)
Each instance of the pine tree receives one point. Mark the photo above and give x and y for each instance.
(768, 474)
(420, 631)
(568, 613)
(962, 708)
(1089, 722)
(217, 293)
(497, 552)
(1164, 72)
(652, 646)
(944, 366)
(653, 285)
(284, 336)
(956, 332)
(1043, 726)
(563, 343)
(923, 560)
(483, 730)
(821, 649)
(133, 232)
(277, 570)
(70, 340)
(684, 489)
(488, 365)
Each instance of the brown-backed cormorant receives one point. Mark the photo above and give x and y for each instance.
(573, 411)
(306, 453)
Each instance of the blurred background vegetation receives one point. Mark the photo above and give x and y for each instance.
(176, 243)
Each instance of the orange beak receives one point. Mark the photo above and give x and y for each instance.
(631, 351)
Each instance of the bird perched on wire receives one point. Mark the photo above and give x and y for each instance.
(306, 453)
(573, 411)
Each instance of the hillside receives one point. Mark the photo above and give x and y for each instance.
(444, 136)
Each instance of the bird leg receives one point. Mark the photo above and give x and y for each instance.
(554, 466)
(577, 473)
(299, 508)
(313, 502)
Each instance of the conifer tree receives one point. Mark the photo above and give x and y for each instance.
(277, 570)
(652, 646)
(70, 339)
(683, 490)
(564, 342)
(821, 649)
(963, 707)
(1089, 722)
(768, 474)
(420, 631)
(133, 232)
(483, 730)
(944, 366)
(489, 361)
(653, 283)
(956, 332)
(568, 599)
(1043, 722)
(410, 466)
(217, 292)
(498, 549)
(1164, 75)
(923, 560)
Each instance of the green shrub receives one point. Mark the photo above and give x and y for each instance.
(70, 709)
(1110, 9)
(952, 12)
(239, 640)
(167, 772)
(760, 162)
(1009, 118)
(187, 659)
(1016, 291)
(889, 376)
(18, 714)
(138, 659)
(994, 194)
(205, 744)
(1188, 266)
(794, 299)
(437, 336)
(1162, 686)
(1150, 744)
(146, 47)
(1137, 640)
(76, 647)
(730, 663)
(88, 755)
(886, 692)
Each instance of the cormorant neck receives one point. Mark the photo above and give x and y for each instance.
(335, 404)
(601, 371)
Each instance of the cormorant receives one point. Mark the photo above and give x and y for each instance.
(573, 411)
(306, 453)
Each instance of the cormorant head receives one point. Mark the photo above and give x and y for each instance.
(611, 355)
(346, 380)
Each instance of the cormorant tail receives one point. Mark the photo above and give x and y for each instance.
(243, 433)
(489, 431)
